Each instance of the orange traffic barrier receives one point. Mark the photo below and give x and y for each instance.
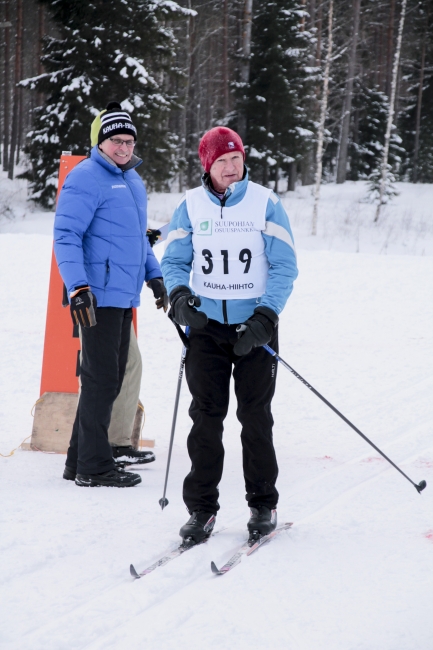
(61, 347)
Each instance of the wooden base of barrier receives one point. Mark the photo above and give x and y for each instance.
(53, 420)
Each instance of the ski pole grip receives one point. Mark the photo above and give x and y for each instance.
(241, 328)
(191, 302)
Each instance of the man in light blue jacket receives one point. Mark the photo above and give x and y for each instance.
(234, 238)
(104, 257)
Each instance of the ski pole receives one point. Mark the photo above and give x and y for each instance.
(419, 487)
(164, 501)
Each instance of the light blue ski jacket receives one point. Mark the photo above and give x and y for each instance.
(100, 232)
(279, 249)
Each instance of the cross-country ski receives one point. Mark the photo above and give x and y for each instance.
(167, 557)
(247, 549)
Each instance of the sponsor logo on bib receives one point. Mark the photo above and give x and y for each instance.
(204, 227)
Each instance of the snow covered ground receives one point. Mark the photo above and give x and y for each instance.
(354, 573)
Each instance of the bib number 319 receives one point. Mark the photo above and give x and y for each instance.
(244, 257)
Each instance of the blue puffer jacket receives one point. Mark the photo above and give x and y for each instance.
(279, 250)
(100, 232)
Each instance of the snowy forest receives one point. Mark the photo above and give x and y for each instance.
(260, 67)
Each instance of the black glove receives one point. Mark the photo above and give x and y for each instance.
(83, 306)
(256, 331)
(159, 292)
(183, 308)
(153, 236)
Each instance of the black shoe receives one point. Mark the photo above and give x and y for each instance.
(263, 521)
(114, 478)
(69, 474)
(198, 527)
(124, 456)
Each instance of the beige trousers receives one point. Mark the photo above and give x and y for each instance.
(125, 405)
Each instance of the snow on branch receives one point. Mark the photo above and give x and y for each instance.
(169, 6)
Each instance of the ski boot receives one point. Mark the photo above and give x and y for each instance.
(124, 456)
(262, 521)
(69, 474)
(113, 478)
(198, 528)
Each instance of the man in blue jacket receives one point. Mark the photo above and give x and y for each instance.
(235, 238)
(104, 257)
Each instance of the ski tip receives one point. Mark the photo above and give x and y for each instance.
(214, 568)
(133, 571)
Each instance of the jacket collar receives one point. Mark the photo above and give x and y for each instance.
(233, 194)
(100, 157)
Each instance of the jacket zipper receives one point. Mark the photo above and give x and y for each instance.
(224, 302)
(225, 312)
(223, 203)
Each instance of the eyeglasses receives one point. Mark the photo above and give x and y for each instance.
(118, 142)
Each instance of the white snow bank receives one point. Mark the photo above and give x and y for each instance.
(346, 220)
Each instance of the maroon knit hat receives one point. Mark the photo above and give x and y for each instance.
(216, 143)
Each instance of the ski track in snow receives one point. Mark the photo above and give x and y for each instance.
(354, 572)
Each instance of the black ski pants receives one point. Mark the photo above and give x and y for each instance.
(208, 368)
(104, 353)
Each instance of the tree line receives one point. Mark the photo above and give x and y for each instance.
(182, 67)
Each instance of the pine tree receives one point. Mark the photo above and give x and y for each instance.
(371, 110)
(105, 51)
(367, 154)
(277, 126)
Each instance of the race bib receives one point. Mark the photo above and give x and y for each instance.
(229, 250)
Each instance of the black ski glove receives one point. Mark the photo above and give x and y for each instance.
(83, 307)
(153, 236)
(256, 331)
(159, 292)
(183, 308)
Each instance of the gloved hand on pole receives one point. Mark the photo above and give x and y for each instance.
(256, 331)
(183, 308)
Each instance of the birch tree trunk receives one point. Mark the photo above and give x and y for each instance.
(345, 125)
(390, 47)
(384, 165)
(323, 109)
